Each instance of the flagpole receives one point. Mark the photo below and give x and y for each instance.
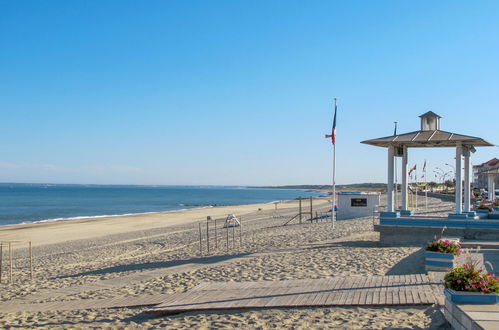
(333, 213)
(396, 176)
(333, 140)
(425, 187)
(416, 198)
(396, 186)
(409, 184)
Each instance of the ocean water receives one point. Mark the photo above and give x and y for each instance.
(28, 203)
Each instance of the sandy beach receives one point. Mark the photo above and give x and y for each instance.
(157, 253)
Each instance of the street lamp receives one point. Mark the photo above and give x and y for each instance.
(453, 167)
(442, 173)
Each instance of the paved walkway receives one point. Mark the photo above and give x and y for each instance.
(417, 289)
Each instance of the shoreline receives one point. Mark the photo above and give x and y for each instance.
(78, 228)
(83, 217)
(101, 212)
(100, 216)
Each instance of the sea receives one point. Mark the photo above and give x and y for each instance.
(22, 203)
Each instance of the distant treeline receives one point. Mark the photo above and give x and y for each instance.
(354, 186)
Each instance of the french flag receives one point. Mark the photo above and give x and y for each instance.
(333, 134)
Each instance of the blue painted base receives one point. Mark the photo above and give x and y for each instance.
(390, 214)
(471, 297)
(438, 255)
(457, 216)
(482, 214)
(471, 214)
(406, 212)
(438, 261)
(429, 268)
(494, 216)
(447, 264)
(439, 222)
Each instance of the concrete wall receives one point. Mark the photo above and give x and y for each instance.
(471, 316)
(408, 235)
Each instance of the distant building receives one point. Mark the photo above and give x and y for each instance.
(479, 179)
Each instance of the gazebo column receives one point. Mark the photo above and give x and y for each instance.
(467, 192)
(490, 186)
(389, 190)
(404, 180)
(458, 188)
(494, 187)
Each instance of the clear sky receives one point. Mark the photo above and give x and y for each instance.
(237, 92)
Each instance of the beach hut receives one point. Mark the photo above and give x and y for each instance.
(357, 204)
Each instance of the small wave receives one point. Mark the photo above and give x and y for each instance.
(103, 216)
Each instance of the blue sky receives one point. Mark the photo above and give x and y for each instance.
(237, 92)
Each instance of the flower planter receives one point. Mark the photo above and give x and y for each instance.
(464, 297)
(438, 261)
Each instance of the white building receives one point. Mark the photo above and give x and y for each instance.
(357, 204)
(480, 180)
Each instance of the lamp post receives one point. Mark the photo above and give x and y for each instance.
(452, 166)
(441, 173)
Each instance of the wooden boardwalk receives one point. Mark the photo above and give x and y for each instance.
(80, 304)
(417, 289)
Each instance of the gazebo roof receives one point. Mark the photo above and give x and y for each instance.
(429, 136)
(430, 114)
(428, 139)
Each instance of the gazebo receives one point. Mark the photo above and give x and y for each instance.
(430, 136)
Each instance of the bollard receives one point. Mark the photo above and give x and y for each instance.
(10, 260)
(207, 235)
(216, 235)
(299, 208)
(30, 262)
(200, 240)
(233, 235)
(1, 256)
(311, 210)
